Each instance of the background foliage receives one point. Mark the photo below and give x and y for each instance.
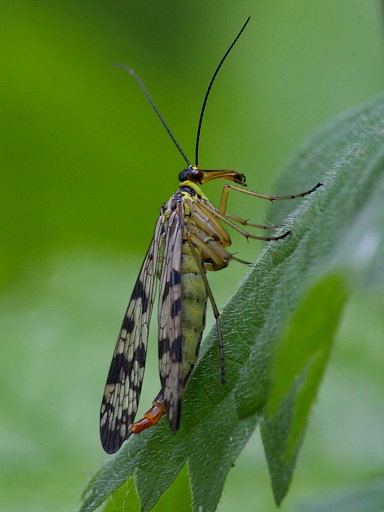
(85, 165)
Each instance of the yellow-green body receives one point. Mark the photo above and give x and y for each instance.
(203, 245)
(194, 298)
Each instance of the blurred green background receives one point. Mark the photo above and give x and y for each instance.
(85, 165)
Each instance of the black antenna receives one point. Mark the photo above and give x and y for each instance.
(209, 90)
(142, 86)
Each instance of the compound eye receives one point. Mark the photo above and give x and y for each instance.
(191, 174)
(196, 175)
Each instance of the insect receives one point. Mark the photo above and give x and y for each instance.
(189, 239)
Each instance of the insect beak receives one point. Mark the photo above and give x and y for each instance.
(224, 174)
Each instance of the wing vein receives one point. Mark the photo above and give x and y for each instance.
(125, 377)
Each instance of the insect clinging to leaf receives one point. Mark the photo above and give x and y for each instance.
(189, 240)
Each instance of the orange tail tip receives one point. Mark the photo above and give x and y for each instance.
(151, 418)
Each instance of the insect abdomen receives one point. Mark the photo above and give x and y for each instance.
(194, 301)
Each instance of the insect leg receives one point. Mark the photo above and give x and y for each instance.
(227, 188)
(245, 222)
(212, 211)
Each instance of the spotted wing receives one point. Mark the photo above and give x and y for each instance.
(125, 377)
(170, 303)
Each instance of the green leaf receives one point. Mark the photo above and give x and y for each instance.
(336, 244)
(176, 498)
(124, 497)
(296, 374)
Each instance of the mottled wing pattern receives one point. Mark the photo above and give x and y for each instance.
(170, 333)
(125, 377)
